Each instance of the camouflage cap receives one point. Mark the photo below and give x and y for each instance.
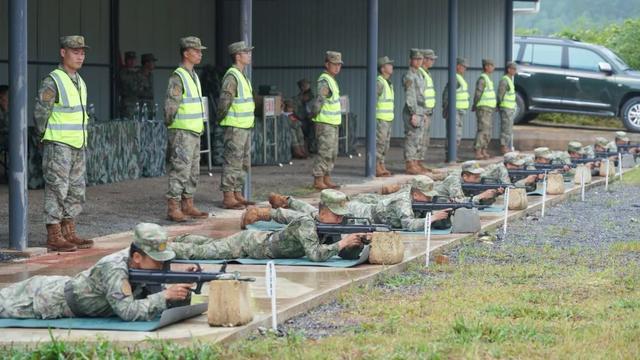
(472, 166)
(333, 57)
(424, 184)
(147, 57)
(512, 65)
(513, 158)
(622, 136)
(574, 146)
(73, 42)
(130, 55)
(239, 46)
(415, 54)
(543, 152)
(384, 61)
(152, 239)
(462, 61)
(429, 54)
(335, 200)
(191, 42)
(601, 141)
(486, 62)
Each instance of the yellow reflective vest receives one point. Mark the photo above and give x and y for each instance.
(384, 106)
(330, 111)
(429, 90)
(488, 97)
(509, 98)
(67, 123)
(462, 93)
(241, 113)
(191, 113)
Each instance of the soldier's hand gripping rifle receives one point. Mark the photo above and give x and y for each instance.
(471, 189)
(330, 233)
(440, 204)
(517, 175)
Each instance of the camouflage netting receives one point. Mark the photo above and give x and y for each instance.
(116, 151)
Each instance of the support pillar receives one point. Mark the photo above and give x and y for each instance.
(452, 148)
(372, 64)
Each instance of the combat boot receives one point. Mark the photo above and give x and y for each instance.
(189, 209)
(318, 183)
(479, 154)
(174, 213)
(411, 168)
(379, 170)
(385, 170)
(390, 189)
(241, 199)
(55, 241)
(253, 214)
(278, 201)
(486, 153)
(437, 176)
(329, 183)
(68, 228)
(229, 201)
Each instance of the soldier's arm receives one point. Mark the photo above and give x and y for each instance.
(502, 90)
(47, 94)
(173, 99)
(407, 217)
(324, 92)
(228, 92)
(379, 87)
(120, 298)
(303, 207)
(411, 98)
(479, 90)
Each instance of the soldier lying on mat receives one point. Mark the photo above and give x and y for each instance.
(104, 289)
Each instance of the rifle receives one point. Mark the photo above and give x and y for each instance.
(626, 147)
(606, 154)
(549, 167)
(584, 161)
(166, 276)
(471, 189)
(438, 205)
(516, 175)
(331, 233)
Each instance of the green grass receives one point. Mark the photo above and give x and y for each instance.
(580, 120)
(632, 177)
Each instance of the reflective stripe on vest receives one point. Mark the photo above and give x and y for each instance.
(462, 93)
(429, 90)
(330, 113)
(509, 98)
(241, 113)
(190, 115)
(488, 97)
(67, 123)
(384, 106)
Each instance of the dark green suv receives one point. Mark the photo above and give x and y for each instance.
(558, 75)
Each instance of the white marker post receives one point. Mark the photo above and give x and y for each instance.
(619, 165)
(544, 193)
(506, 210)
(427, 234)
(582, 185)
(606, 179)
(270, 284)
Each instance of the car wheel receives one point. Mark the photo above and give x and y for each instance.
(521, 110)
(631, 114)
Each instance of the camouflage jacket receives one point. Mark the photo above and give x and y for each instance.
(228, 92)
(324, 93)
(394, 209)
(47, 96)
(451, 187)
(500, 172)
(414, 86)
(146, 87)
(129, 82)
(173, 96)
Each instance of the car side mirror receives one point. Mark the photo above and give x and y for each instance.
(605, 68)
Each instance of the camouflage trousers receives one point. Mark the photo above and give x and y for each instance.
(39, 297)
(426, 135)
(383, 139)
(63, 170)
(506, 126)
(183, 163)
(327, 140)
(297, 136)
(236, 158)
(254, 244)
(413, 137)
(485, 125)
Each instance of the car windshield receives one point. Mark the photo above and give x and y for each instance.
(616, 59)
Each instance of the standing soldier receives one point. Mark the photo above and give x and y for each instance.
(507, 101)
(413, 113)
(484, 104)
(384, 113)
(61, 118)
(462, 99)
(429, 97)
(327, 118)
(302, 107)
(184, 116)
(145, 96)
(236, 115)
(128, 82)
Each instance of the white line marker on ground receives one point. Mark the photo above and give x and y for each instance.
(427, 234)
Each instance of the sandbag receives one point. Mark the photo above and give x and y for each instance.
(582, 170)
(603, 168)
(465, 221)
(518, 199)
(555, 184)
(229, 303)
(387, 248)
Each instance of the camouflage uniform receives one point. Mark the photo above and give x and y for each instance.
(506, 116)
(145, 81)
(183, 152)
(299, 238)
(383, 130)
(63, 166)
(129, 83)
(101, 291)
(326, 135)
(451, 186)
(414, 85)
(484, 115)
(302, 107)
(500, 173)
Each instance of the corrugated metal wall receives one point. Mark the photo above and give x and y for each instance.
(291, 36)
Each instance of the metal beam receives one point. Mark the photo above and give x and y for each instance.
(508, 31)
(246, 20)
(452, 148)
(18, 199)
(372, 54)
